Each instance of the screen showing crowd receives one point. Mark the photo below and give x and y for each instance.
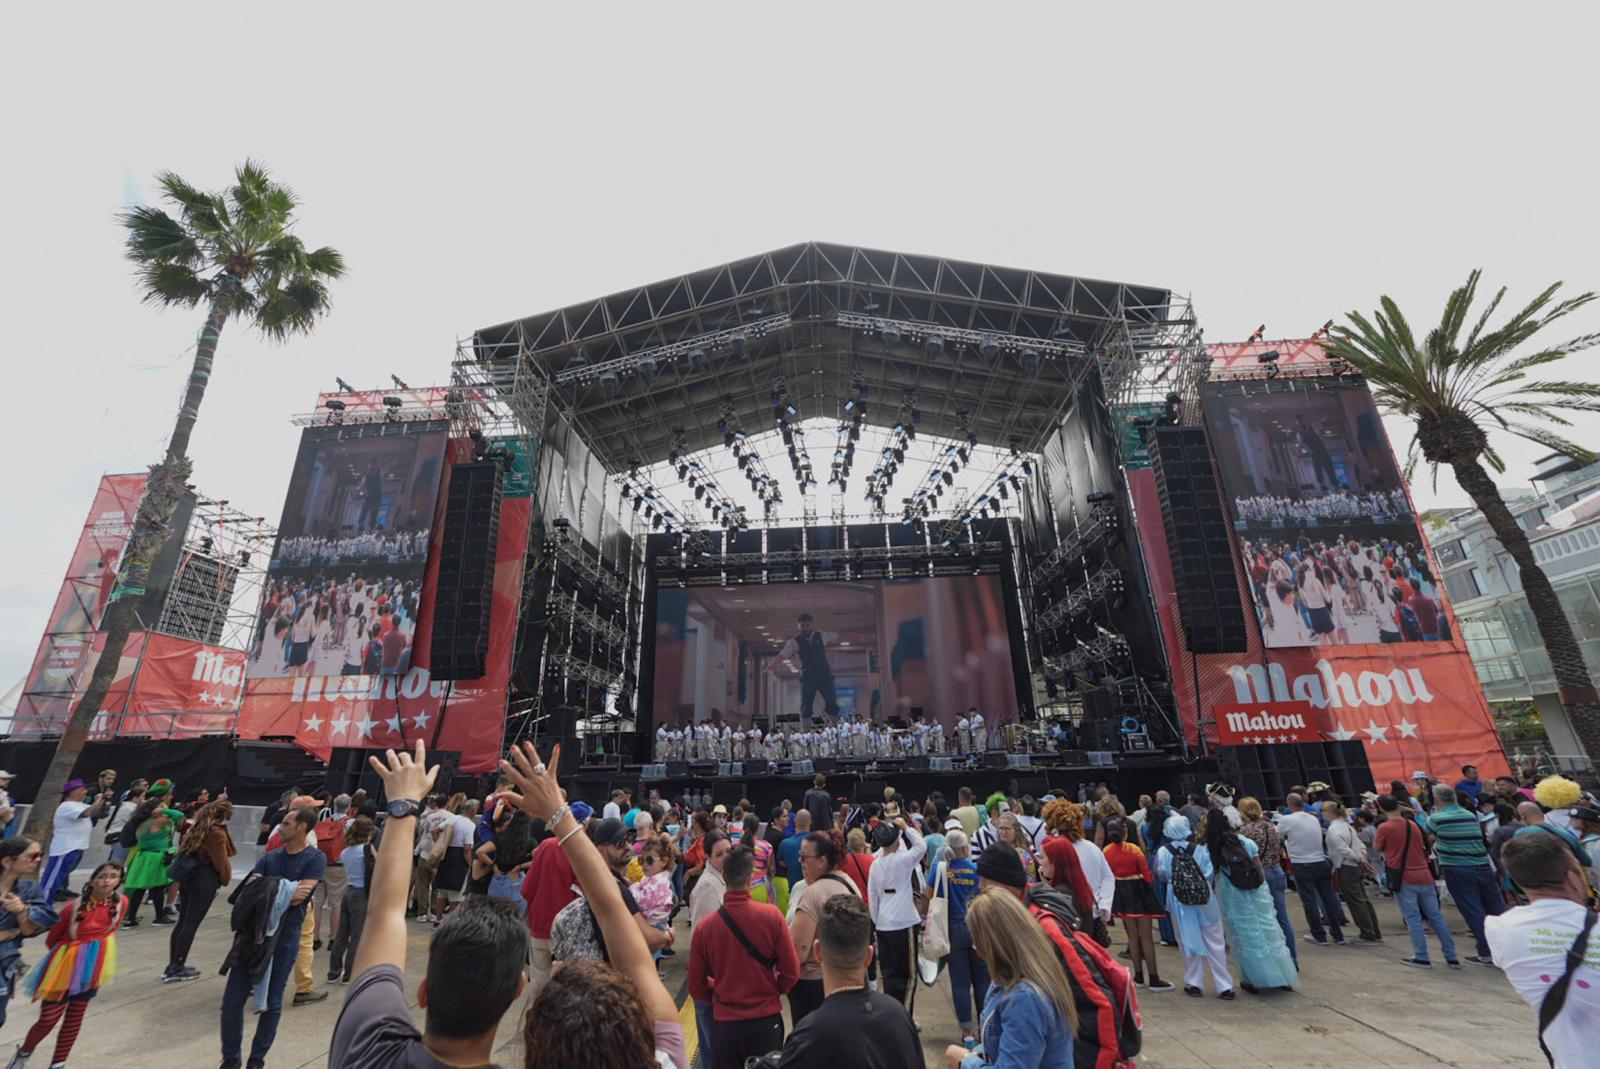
(1325, 527)
(344, 584)
(880, 650)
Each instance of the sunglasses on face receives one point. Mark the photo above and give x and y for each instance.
(649, 859)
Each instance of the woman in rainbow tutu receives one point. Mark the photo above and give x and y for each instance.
(82, 957)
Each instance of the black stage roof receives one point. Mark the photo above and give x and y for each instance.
(630, 367)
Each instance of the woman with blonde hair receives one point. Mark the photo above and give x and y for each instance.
(1029, 1017)
(1008, 830)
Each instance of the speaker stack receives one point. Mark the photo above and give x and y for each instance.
(1197, 539)
(1267, 772)
(466, 572)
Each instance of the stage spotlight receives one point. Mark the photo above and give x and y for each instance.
(637, 502)
(741, 347)
(891, 335)
(988, 349)
(966, 457)
(579, 359)
(698, 361)
(683, 472)
(949, 479)
(933, 345)
(610, 383)
(344, 387)
(333, 405)
(649, 368)
(1027, 467)
(392, 401)
(1268, 357)
(1102, 497)
(1029, 360)
(244, 558)
(397, 383)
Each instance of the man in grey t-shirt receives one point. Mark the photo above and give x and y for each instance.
(475, 959)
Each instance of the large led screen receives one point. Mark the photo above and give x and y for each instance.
(1324, 525)
(346, 575)
(885, 649)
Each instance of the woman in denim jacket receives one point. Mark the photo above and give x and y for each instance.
(1029, 1017)
(24, 910)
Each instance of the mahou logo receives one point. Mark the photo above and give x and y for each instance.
(414, 684)
(1326, 688)
(214, 669)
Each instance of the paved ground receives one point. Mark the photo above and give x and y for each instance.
(1359, 1007)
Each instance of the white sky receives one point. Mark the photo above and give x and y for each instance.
(1281, 164)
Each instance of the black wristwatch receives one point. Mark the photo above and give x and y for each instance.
(399, 808)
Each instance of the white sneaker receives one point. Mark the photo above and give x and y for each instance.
(18, 1060)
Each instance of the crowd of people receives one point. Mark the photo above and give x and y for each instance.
(299, 551)
(1311, 591)
(321, 626)
(1282, 510)
(834, 912)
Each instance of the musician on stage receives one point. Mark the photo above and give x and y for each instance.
(810, 647)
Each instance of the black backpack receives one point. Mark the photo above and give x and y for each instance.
(129, 835)
(1240, 868)
(1189, 884)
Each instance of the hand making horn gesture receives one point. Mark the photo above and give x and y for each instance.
(537, 793)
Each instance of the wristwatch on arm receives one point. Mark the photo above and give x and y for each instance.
(400, 808)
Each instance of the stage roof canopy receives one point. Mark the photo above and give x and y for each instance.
(998, 351)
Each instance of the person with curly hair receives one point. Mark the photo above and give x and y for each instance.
(1065, 819)
(210, 845)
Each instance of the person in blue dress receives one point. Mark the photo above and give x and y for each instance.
(1029, 1017)
(1198, 924)
(1249, 917)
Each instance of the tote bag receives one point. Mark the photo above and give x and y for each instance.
(936, 929)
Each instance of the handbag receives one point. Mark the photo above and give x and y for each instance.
(183, 866)
(936, 928)
(1395, 876)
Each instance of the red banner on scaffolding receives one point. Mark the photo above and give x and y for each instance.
(1413, 706)
(371, 711)
(63, 661)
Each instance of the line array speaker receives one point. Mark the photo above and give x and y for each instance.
(1197, 539)
(1267, 772)
(466, 572)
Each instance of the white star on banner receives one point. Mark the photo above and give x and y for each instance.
(313, 722)
(1340, 733)
(393, 723)
(1375, 732)
(1283, 738)
(338, 726)
(420, 721)
(364, 727)
(1408, 730)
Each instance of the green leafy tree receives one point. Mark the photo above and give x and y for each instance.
(1458, 391)
(233, 252)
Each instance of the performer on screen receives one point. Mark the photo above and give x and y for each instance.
(372, 496)
(810, 646)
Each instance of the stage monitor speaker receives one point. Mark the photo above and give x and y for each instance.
(1197, 540)
(466, 572)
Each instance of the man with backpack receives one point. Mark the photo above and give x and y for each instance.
(1108, 1009)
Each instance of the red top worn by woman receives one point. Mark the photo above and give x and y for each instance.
(1128, 861)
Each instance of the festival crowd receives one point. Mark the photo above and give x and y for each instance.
(836, 912)
(1335, 592)
(319, 626)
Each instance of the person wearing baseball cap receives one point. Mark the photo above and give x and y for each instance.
(890, 893)
(69, 838)
(615, 842)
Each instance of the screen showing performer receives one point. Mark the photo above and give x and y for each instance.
(1324, 525)
(804, 653)
(346, 575)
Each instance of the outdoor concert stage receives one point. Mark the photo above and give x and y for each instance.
(823, 481)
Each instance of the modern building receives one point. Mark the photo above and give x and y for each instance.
(1561, 513)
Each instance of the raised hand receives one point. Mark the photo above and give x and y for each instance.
(537, 793)
(405, 775)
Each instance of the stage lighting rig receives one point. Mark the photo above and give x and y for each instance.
(787, 417)
(747, 457)
(391, 408)
(344, 387)
(988, 343)
(893, 455)
(335, 411)
(397, 383)
(736, 340)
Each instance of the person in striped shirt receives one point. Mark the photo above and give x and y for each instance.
(1463, 857)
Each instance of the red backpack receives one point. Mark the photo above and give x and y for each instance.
(1108, 1011)
(330, 837)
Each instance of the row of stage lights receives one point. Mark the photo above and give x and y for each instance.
(901, 435)
(705, 487)
(748, 458)
(793, 435)
(849, 432)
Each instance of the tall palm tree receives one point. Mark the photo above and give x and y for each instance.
(1460, 390)
(232, 251)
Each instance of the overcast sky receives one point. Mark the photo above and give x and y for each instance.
(1281, 164)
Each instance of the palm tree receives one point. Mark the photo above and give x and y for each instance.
(1459, 390)
(234, 252)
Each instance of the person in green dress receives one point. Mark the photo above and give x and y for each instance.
(147, 863)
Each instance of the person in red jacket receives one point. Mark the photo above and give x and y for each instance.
(742, 960)
(82, 958)
(546, 889)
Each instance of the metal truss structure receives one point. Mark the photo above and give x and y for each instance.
(1105, 583)
(565, 606)
(216, 588)
(1008, 345)
(1102, 523)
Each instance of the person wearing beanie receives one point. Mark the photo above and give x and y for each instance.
(1199, 925)
(890, 898)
